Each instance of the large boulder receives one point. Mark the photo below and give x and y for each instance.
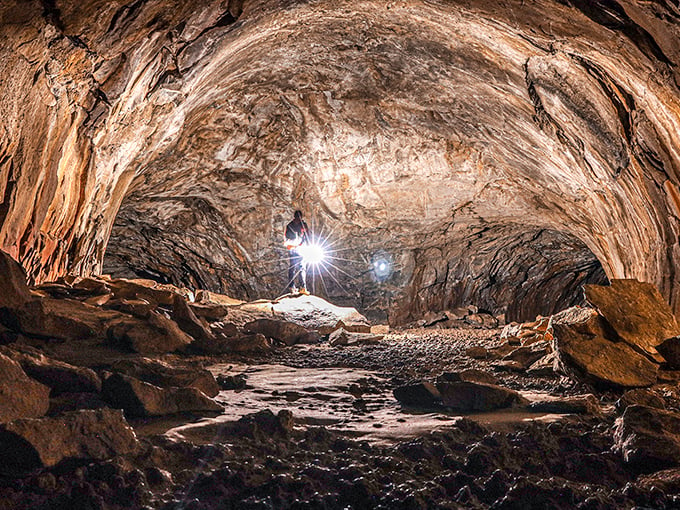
(648, 438)
(186, 319)
(149, 290)
(155, 335)
(59, 376)
(138, 398)
(670, 350)
(423, 394)
(20, 396)
(28, 444)
(342, 337)
(317, 314)
(14, 290)
(475, 396)
(582, 353)
(637, 311)
(165, 375)
(286, 332)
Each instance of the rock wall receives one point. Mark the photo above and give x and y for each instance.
(494, 153)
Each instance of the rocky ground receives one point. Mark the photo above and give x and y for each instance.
(129, 394)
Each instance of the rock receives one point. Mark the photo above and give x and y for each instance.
(640, 396)
(342, 337)
(232, 382)
(140, 308)
(67, 402)
(434, 318)
(155, 335)
(380, 329)
(14, 291)
(255, 342)
(317, 314)
(286, 332)
(206, 297)
(637, 311)
(477, 352)
(475, 396)
(210, 311)
(528, 355)
(138, 398)
(186, 319)
(20, 396)
(595, 359)
(422, 394)
(263, 426)
(667, 481)
(648, 438)
(670, 350)
(482, 320)
(470, 375)
(148, 290)
(162, 374)
(578, 404)
(28, 444)
(511, 330)
(543, 367)
(57, 375)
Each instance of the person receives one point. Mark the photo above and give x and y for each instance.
(296, 235)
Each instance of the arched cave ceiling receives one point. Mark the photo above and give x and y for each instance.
(496, 153)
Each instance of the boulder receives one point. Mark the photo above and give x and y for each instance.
(209, 311)
(670, 350)
(286, 332)
(482, 320)
(20, 396)
(527, 355)
(155, 335)
(186, 319)
(543, 367)
(57, 375)
(29, 444)
(474, 396)
(342, 337)
(164, 375)
(648, 438)
(470, 375)
(636, 311)
(140, 308)
(206, 297)
(149, 290)
(421, 394)
(255, 342)
(317, 314)
(595, 359)
(14, 290)
(138, 398)
(477, 352)
(640, 396)
(577, 404)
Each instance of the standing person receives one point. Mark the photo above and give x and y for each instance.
(296, 235)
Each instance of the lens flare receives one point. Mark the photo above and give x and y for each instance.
(312, 254)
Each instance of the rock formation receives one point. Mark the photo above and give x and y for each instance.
(486, 153)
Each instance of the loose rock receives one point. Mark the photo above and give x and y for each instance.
(20, 396)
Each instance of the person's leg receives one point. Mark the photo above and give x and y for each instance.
(292, 270)
(303, 274)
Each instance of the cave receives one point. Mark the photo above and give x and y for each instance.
(476, 172)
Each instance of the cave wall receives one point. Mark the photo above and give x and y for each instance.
(403, 127)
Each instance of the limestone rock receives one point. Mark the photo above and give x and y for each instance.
(422, 394)
(14, 290)
(186, 319)
(637, 311)
(254, 342)
(211, 312)
(28, 444)
(155, 335)
(543, 367)
(598, 360)
(469, 375)
(140, 308)
(139, 398)
(648, 438)
(475, 396)
(527, 355)
(577, 404)
(286, 332)
(342, 337)
(317, 314)
(670, 350)
(163, 374)
(20, 396)
(640, 396)
(149, 290)
(59, 376)
(477, 352)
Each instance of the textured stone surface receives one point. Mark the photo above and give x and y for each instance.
(154, 335)
(288, 333)
(20, 396)
(81, 435)
(477, 396)
(13, 287)
(490, 152)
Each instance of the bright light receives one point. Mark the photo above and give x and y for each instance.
(382, 266)
(312, 254)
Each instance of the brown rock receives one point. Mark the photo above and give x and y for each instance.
(288, 333)
(14, 291)
(28, 444)
(477, 352)
(20, 396)
(637, 312)
(475, 396)
(422, 394)
(210, 311)
(155, 335)
(470, 375)
(164, 375)
(57, 375)
(528, 355)
(648, 438)
(212, 298)
(342, 337)
(139, 398)
(670, 350)
(482, 320)
(598, 360)
(543, 367)
(186, 319)
(140, 308)
(640, 396)
(577, 404)
(149, 290)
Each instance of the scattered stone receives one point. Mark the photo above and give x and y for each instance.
(155, 335)
(648, 438)
(475, 396)
(263, 425)
(57, 375)
(341, 337)
(286, 332)
(595, 359)
(139, 398)
(637, 311)
(14, 291)
(421, 394)
(160, 373)
(380, 329)
(20, 396)
(28, 444)
(470, 375)
(578, 404)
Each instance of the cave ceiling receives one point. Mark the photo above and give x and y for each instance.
(495, 153)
